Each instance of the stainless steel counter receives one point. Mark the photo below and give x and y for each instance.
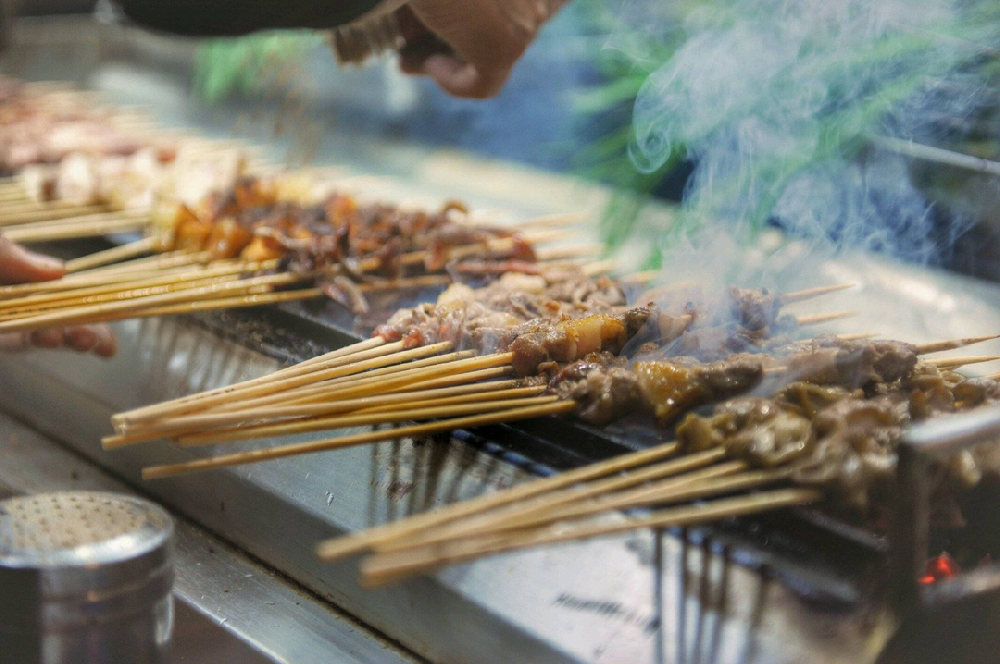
(588, 602)
(230, 608)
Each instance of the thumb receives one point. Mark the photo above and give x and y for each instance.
(18, 265)
(462, 79)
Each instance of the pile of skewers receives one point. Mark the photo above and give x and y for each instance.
(76, 169)
(240, 247)
(217, 237)
(531, 346)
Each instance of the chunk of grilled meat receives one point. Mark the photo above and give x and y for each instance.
(672, 387)
(846, 441)
(603, 387)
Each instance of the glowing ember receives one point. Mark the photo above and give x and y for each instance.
(939, 568)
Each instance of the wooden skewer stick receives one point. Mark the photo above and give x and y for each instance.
(858, 336)
(952, 344)
(810, 293)
(261, 290)
(258, 456)
(595, 268)
(382, 569)
(355, 350)
(816, 319)
(557, 220)
(642, 278)
(13, 208)
(28, 216)
(958, 362)
(82, 220)
(459, 369)
(670, 477)
(194, 423)
(188, 285)
(470, 377)
(409, 283)
(323, 391)
(164, 261)
(181, 278)
(995, 376)
(235, 302)
(337, 367)
(570, 251)
(704, 483)
(97, 311)
(368, 404)
(115, 254)
(13, 192)
(77, 231)
(93, 277)
(367, 419)
(403, 529)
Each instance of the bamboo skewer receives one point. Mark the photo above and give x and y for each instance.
(381, 569)
(464, 368)
(337, 367)
(225, 303)
(90, 228)
(579, 501)
(705, 483)
(158, 472)
(246, 408)
(90, 313)
(168, 260)
(359, 420)
(569, 251)
(858, 336)
(173, 266)
(367, 539)
(188, 285)
(11, 208)
(816, 319)
(442, 396)
(194, 422)
(459, 378)
(599, 267)
(177, 278)
(115, 254)
(47, 214)
(958, 362)
(952, 344)
(165, 407)
(810, 293)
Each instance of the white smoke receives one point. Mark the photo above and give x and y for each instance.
(776, 102)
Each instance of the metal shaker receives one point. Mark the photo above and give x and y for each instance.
(85, 578)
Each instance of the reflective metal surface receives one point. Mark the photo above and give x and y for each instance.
(229, 609)
(91, 573)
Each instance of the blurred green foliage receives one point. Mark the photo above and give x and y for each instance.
(248, 65)
(895, 65)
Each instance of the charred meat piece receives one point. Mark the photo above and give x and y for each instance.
(855, 363)
(710, 344)
(538, 342)
(753, 309)
(766, 432)
(671, 387)
(603, 387)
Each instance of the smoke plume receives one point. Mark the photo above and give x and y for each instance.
(779, 104)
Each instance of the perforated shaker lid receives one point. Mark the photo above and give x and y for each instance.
(82, 542)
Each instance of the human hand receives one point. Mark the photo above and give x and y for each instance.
(486, 37)
(18, 265)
